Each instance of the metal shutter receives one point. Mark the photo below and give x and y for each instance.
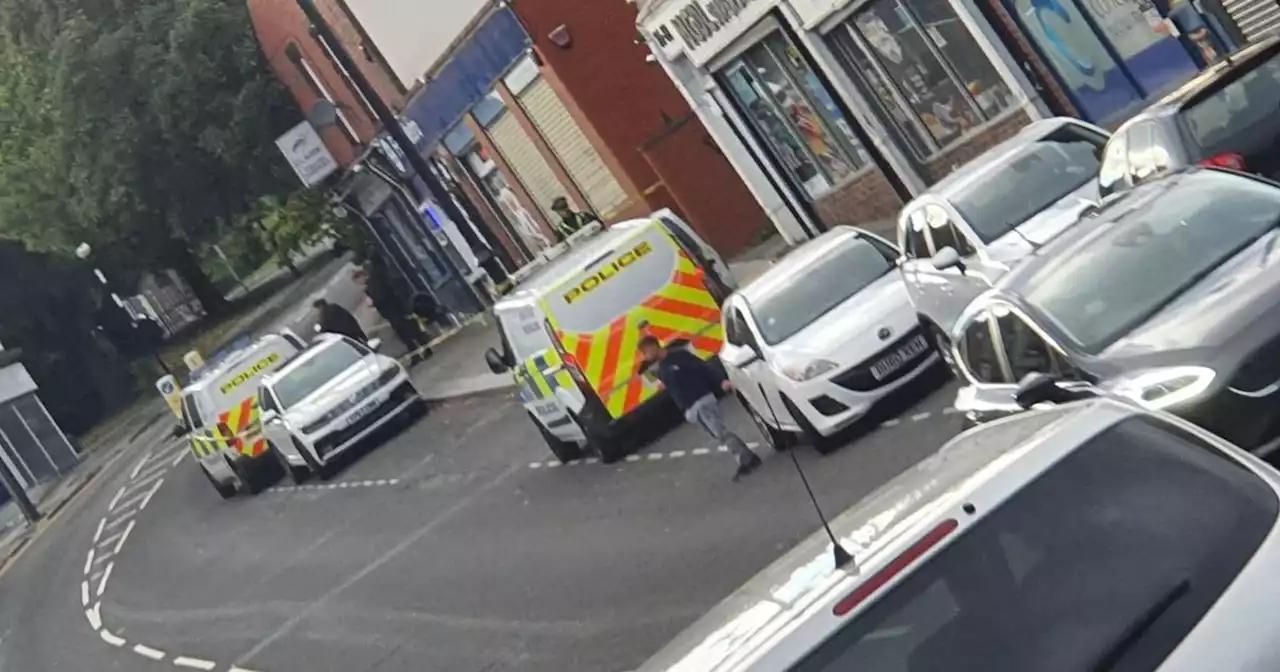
(527, 163)
(1255, 17)
(579, 158)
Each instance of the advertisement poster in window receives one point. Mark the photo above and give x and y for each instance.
(1153, 55)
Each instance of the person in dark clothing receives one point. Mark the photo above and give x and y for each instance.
(692, 384)
(394, 309)
(335, 319)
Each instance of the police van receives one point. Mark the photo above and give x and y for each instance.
(570, 332)
(220, 413)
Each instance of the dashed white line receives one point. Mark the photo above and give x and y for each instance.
(116, 500)
(148, 477)
(701, 451)
(138, 467)
(102, 584)
(84, 593)
(535, 465)
(94, 615)
(382, 481)
(552, 465)
(591, 460)
(677, 453)
(655, 456)
(723, 449)
(98, 535)
(178, 460)
(920, 416)
(121, 518)
(238, 669)
(88, 562)
(110, 638)
(123, 538)
(892, 422)
(196, 663)
(573, 463)
(148, 652)
(633, 458)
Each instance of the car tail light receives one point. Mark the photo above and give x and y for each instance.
(893, 569)
(1231, 160)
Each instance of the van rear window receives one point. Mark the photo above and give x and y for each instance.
(1106, 561)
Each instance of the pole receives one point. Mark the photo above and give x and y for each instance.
(19, 495)
(231, 269)
(392, 125)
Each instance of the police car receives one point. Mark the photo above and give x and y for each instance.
(1095, 535)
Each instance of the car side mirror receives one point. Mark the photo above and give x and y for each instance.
(497, 363)
(1039, 388)
(947, 258)
(738, 356)
(269, 417)
(375, 344)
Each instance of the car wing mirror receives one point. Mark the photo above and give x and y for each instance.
(375, 344)
(947, 258)
(738, 356)
(1039, 388)
(497, 363)
(269, 417)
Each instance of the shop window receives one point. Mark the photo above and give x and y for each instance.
(925, 70)
(796, 115)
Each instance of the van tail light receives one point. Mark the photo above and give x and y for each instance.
(575, 368)
(1231, 160)
(893, 569)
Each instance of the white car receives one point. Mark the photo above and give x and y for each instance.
(328, 399)
(1090, 536)
(824, 334)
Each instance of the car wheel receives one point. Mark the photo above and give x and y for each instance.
(777, 439)
(825, 445)
(298, 475)
(254, 477)
(941, 343)
(565, 451)
(224, 490)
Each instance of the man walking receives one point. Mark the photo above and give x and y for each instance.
(335, 319)
(692, 384)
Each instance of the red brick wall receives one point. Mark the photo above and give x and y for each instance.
(279, 22)
(868, 202)
(941, 165)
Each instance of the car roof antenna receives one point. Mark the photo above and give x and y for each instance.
(842, 557)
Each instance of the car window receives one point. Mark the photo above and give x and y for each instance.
(943, 231)
(1171, 234)
(1113, 176)
(1065, 571)
(737, 332)
(915, 242)
(1030, 179)
(310, 375)
(978, 352)
(1026, 351)
(265, 402)
(191, 412)
(1225, 117)
(844, 270)
(1141, 164)
(1161, 148)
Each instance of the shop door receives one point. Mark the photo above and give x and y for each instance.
(579, 158)
(527, 163)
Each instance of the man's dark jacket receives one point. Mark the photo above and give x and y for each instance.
(335, 319)
(686, 377)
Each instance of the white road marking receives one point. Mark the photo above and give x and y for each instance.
(138, 467)
(120, 519)
(753, 445)
(102, 557)
(238, 669)
(196, 663)
(110, 638)
(552, 465)
(178, 460)
(633, 458)
(148, 652)
(88, 562)
(123, 537)
(116, 500)
(920, 416)
(723, 449)
(392, 481)
(84, 593)
(892, 422)
(677, 453)
(94, 615)
(573, 463)
(108, 541)
(98, 535)
(950, 410)
(383, 481)
(148, 476)
(144, 498)
(592, 460)
(535, 465)
(655, 456)
(102, 585)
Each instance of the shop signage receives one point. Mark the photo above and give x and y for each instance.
(701, 28)
(307, 154)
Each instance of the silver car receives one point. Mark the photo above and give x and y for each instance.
(330, 398)
(968, 229)
(1094, 535)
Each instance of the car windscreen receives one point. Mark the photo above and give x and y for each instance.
(312, 374)
(844, 270)
(1221, 121)
(1169, 236)
(1030, 180)
(1104, 562)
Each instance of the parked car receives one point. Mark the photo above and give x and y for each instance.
(1225, 117)
(994, 211)
(1170, 296)
(1091, 536)
(328, 399)
(822, 336)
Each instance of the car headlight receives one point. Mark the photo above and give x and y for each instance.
(1163, 388)
(388, 376)
(803, 372)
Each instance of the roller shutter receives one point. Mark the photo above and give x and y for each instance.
(527, 163)
(579, 158)
(1255, 17)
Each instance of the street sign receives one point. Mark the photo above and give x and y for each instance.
(172, 393)
(307, 154)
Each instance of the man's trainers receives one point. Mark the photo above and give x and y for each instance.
(745, 468)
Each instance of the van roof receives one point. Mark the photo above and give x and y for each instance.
(210, 372)
(551, 275)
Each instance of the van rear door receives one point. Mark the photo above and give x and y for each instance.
(235, 395)
(645, 284)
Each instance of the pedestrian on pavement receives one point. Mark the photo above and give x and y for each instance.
(394, 308)
(570, 221)
(334, 319)
(692, 384)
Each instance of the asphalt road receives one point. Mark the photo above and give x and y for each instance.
(453, 546)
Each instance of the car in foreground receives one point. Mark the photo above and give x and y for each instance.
(1169, 295)
(992, 212)
(1095, 535)
(328, 399)
(822, 336)
(1225, 117)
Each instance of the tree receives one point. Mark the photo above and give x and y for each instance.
(142, 128)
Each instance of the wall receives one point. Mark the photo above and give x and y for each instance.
(414, 34)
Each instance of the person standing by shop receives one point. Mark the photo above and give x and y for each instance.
(394, 307)
(571, 221)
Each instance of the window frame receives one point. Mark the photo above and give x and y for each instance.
(1140, 160)
(1068, 372)
(993, 335)
(957, 224)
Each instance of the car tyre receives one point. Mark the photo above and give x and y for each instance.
(565, 451)
(610, 447)
(825, 445)
(224, 490)
(940, 342)
(777, 439)
(298, 475)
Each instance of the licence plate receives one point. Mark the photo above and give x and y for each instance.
(360, 414)
(885, 367)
